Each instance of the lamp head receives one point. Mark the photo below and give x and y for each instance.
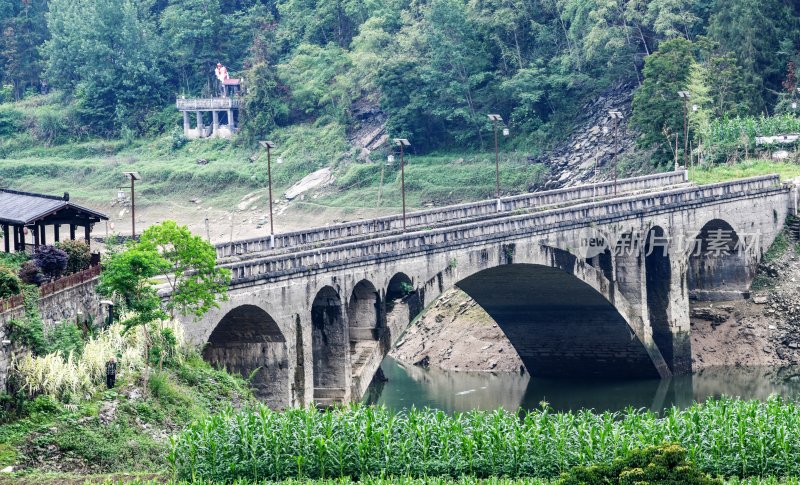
(266, 144)
(402, 142)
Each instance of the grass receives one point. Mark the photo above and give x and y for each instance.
(730, 438)
(91, 169)
(750, 168)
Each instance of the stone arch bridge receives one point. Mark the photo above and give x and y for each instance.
(582, 281)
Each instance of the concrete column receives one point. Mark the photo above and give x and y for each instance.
(36, 236)
(6, 242)
(200, 127)
(231, 124)
(215, 123)
(43, 237)
(72, 232)
(87, 233)
(186, 126)
(56, 227)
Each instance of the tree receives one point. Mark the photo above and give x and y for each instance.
(657, 108)
(752, 31)
(189, 264)
(107, 54)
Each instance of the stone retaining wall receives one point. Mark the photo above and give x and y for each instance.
(56, 307)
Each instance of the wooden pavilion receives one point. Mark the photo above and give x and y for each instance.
(24, 213)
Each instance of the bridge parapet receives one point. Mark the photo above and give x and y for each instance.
(508, 227)
(450, 213)
(206, 104)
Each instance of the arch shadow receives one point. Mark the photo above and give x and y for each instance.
(329, 346)
(719, 265)
(248, 340)
(559, 325)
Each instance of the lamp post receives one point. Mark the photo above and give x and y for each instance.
(616, 116)
(389, 161)
(133, 176)
(268, 145)
(495, 119)
(402, 143)
(684, 95)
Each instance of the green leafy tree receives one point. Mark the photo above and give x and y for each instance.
(189, 265)
(753, 31)
(657, 108)
(107, 54)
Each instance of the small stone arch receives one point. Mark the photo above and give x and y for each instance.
(399, 287)
(329, 347)
(364, 312)
(403, 303)
(248, 339)
(719, 265)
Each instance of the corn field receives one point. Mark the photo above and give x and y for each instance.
(729, 437)
(730, 136)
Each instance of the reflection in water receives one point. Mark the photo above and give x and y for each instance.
(462, 391)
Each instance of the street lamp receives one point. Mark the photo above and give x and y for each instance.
(684, 95)
(133, 176)
(402, 143)
(268, 145)
(495, 119)
(616, 116)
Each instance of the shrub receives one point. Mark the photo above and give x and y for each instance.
(665, 464)
(30, 274)
(12, 260)
(10, 283)
(79, 255)
(65, 338)
(71, 376)
(51, 261)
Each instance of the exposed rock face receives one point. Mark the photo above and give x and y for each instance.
(457, 334)
(573, 162)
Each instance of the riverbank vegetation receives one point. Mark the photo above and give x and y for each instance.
(61, 413)
(728, 437)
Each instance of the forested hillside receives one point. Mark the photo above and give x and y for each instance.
(433, 67)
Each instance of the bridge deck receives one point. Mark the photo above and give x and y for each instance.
(452, 237)
(443, 216)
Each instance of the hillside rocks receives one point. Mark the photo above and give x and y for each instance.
(573, 162)
(457, 334)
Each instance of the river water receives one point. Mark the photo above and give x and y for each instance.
(408, 386)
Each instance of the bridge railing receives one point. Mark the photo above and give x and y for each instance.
(48, 289)
(192, 104)
(444, 214)
(542, 222)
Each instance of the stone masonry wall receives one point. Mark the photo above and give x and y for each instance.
(57, 307)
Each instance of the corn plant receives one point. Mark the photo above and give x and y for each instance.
(727, 437)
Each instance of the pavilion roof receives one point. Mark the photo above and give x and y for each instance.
(24, 208)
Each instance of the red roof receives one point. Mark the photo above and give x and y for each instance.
(231, 82)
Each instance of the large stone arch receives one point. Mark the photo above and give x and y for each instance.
(364, 312)
(720, 263)
(247, 339)
(329, 347)
(561, 325)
